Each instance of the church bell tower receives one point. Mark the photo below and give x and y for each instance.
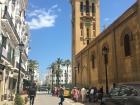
(85, 23)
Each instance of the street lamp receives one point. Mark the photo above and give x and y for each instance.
(21, 48)
(75, 69)
(105, 52)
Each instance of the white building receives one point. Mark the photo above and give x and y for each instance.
(63, 76)
(13, 31)
(36, 75)
(49, 77)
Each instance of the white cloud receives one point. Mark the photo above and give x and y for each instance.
(41, 18)
(106, 19)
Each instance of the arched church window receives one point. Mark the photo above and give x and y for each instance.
(127, 48)
(93, 61)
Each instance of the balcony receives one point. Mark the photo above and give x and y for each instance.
(7, 24)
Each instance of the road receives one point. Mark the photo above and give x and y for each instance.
(44, 99)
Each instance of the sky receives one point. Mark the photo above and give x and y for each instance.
(50, 27)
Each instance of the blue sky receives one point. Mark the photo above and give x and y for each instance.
(50, 27)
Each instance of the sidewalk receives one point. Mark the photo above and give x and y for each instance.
(6, 103)
(79, 103)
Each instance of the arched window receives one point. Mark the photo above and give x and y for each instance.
(93, 61)
(93, 9)
(127, 48)
(78, 67)
(81, 7)
(88, 36)
(87, 6)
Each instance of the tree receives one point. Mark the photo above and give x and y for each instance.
(58, 71)
(32, 65)
(67, 63)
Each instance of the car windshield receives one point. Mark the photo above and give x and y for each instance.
(125, 91)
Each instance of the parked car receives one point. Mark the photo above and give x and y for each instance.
(125, 94)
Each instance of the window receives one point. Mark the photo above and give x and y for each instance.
(13, 56)
(127, 48)
(81, 32)
(13, 2)
(4, 40)
(24, 14)
(93, 25)
(81, 7)
(93, 9)
(93, 61)
(87, 36)
(78, 67)
(5, 11)
(87, 7)
(81, 25)
(94, 34)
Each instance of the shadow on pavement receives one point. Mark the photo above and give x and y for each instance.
(91, 103)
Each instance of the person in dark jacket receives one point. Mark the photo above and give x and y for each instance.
(32, 93)
(61, 95)
(100, 94)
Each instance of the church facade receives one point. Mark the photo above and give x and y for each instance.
(113, 55)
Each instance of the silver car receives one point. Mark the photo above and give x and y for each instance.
(125, 94)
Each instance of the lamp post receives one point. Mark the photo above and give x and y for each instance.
(21, 48)
(105, 52)
(75, 69)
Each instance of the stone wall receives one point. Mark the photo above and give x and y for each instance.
(120, 68)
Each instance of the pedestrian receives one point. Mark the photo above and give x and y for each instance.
(32, 93)
(91, 95)
(95, 94)
(73, 93)
(61, 96)
(88, 94)
(83, 94)
(100, 94)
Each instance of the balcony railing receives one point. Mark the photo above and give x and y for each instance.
(7, 16)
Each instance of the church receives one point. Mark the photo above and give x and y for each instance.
(112, 56)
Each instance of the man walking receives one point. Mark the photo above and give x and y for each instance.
(32, 93)
(61, 95)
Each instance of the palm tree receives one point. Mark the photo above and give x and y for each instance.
(32, 65)
(67, 63)
(52, 67)
(58, 71)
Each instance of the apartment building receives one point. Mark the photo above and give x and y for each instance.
(14, 30)
(65, 76)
